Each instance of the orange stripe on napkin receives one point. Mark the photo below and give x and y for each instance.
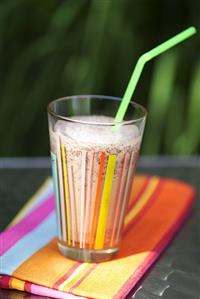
(140, 209)
(162, 215)
(48, 255)
(138, 187)
(143, 200)
(62, 273)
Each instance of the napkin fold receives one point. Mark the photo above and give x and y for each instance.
(30, 260)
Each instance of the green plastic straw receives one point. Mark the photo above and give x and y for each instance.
(140, 65)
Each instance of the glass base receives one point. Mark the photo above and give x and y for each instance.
(87, 255)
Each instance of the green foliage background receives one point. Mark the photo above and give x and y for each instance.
(54, 48)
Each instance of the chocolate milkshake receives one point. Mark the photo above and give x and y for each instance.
(93, 163)
(95, 169)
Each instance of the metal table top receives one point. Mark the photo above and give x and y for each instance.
(176, 275)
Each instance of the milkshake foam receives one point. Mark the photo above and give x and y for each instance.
(84, 135)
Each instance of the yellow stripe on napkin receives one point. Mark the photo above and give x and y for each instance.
(143, 199)
(76, 277)
(17, 284)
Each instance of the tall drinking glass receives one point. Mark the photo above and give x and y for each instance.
(93, 164)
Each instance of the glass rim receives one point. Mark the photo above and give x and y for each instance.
(124, 122)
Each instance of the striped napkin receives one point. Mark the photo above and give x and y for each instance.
(30, 260)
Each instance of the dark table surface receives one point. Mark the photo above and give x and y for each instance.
(176, 275)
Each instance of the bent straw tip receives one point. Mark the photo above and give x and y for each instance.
(192, 29)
